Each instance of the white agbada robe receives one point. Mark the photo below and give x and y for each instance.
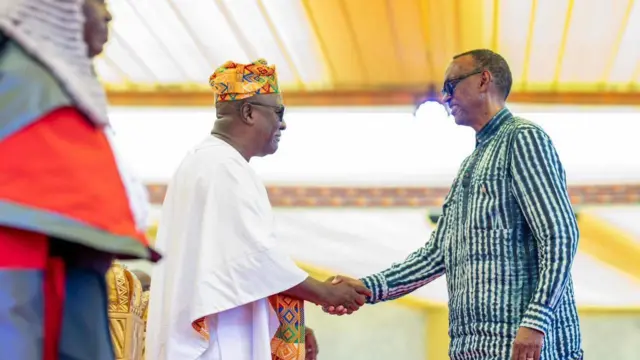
(222, 261)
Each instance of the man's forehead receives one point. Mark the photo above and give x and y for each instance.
(460, 66)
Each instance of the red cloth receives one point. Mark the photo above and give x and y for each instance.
(23, 250)
(62, 163)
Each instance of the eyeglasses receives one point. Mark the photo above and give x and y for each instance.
(450, 85)
(279, 110)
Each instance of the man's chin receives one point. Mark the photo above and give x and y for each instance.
(95, 50)
(460, 120)
(273, 149)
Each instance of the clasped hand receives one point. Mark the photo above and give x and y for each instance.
(349, 294)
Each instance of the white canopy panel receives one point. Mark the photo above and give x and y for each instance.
(378, 147)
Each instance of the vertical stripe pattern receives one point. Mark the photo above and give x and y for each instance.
(506, 241)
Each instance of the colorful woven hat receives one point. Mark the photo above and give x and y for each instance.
(233, 81)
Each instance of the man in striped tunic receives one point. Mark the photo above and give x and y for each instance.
(507, 235)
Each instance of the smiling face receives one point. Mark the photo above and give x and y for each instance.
(464, 89)
(267, 117)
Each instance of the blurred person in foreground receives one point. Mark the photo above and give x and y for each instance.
(229, 290)
(507, 235)
(67, 207)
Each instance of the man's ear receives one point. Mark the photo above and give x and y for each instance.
(485, 79)
(246, 113)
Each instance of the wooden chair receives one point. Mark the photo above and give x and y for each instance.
(127, 308)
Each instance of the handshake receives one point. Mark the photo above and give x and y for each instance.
(343, 295)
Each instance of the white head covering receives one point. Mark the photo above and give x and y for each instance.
(52, 32)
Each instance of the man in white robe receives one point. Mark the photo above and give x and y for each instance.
(227, 290)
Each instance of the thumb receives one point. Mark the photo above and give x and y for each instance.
(363, 290)
(337, 279)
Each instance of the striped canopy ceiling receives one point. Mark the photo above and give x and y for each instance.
(372, 52)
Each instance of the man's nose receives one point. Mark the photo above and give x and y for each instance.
(107, 15)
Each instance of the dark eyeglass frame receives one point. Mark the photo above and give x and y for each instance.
(278, 110)
(449, 86)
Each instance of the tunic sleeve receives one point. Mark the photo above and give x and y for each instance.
(420, 268)
(540, 188)
(240, 259)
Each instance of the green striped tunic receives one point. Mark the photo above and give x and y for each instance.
(505, 241)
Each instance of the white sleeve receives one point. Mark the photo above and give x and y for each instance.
(240, 259)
